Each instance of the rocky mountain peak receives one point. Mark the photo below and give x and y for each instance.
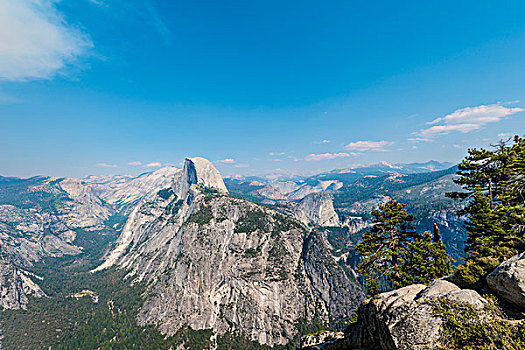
(317, 208)
(197, 171)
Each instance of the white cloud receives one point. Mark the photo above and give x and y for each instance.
(446, 129)
(106, 165)
(36, 41)
(135, 163)
(153, 165)
(505, 135)
(274, 154)
(468, 119)
(225, 161)
(324, 156)
(242, 165)
(478, 115)
(419, 139)
(363, 146)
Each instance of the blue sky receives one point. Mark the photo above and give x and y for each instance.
(115, 86)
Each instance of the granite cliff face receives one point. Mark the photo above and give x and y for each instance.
(15, 286)
(317, 209)
(216, 262)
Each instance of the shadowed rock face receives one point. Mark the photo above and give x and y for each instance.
(508, 280)
(212, 261)
(197, 171)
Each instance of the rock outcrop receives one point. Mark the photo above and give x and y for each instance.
(317, 209)
(16, 286)
(310, 341)
(216, 262)
(403, 319)
(508, 280)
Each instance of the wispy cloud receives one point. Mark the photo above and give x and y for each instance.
(468, 119)
(98, 2)
(36, 41)
(158, 23)
(135, 163)
(241, 165)
(446, 129)
(324, 156)
(363, 146)
(420, 139)
(275, 154)
(144, 11)
(153, 165)
(106, 165)
(226, 161)
(505, 135)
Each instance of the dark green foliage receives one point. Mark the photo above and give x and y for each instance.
(166, 193)
(62, 322)
(283, 223)
(209, 190)
(341, 239)
(394, 251)
(251, 221)
(236, 341)
(466, 327)
(202, 216)
(493, 181)
(423, 261)
(383, 243)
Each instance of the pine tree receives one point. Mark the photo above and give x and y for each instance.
(384, 242)
(424, 259)
(494, 188)
(393, 252)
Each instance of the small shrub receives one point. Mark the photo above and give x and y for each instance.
(466, 327)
